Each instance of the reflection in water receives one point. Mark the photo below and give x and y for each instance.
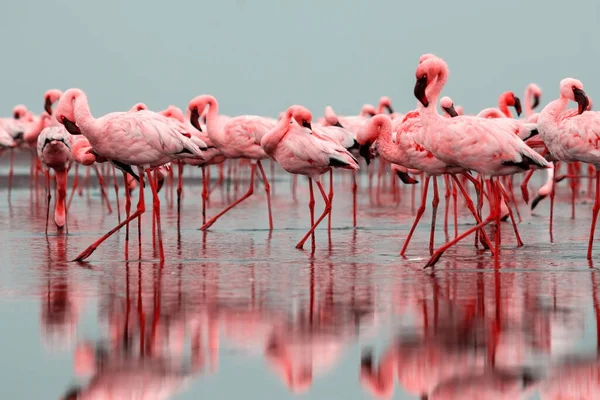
(457, 335)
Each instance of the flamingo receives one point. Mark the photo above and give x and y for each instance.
(476, 144)
(236, 138)
(573, 138)
(54, 151)
(298, 150)
(532, 97)
(144, 139)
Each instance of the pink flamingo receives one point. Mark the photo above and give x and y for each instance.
(473, 143)
(143, 139)
(236, 138)
(532, 97)
(54, 151)
(299, 150)
(573, 138)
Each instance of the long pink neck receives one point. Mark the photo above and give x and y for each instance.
(212, 115)
(84, 118)
(330, 116)
(504, 107)
(528, 100)
(271, 139)
(432, 93)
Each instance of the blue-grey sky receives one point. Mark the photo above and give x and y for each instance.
(258, 57)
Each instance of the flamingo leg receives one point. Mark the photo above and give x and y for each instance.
(420, 212)
(127, 212)
(75, 183)
(48, 199)
(594, 216)
(267, 192)
(180, 187)
(102, 188)
(311, 207)
(354, 198)
(116, 187)
(434, 205)
(513, 199)
(455, 211)
(552, 195)
(326, 211)
(294, 184)
(510, 213)
(447, 194)
(140, 210)
(495, 210)
(204, 193)
(156, 206)
(330, 201)
(249, 193)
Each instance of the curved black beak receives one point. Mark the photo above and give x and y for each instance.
(48, 105)
(337, 123)
(536, 101)
(306, 124)
(365, 151)
(16, 115)
(517, 106)
(389, 108)
(194, 119)
(581, 99)
(70, 126)
(451, 111)
(419, 91)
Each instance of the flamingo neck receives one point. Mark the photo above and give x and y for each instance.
(270, 140)
(504, 107)
(528, 106)
(212, 114)
(83, 116)
(383, 136)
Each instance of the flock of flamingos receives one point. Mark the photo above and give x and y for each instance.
(484, 150)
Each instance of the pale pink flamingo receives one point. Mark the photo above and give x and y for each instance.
(298, 150)
(532, 97)
(15, 129)
(236, 138)
(143, 139)
(573, 138)
(476, 144)
(54, 151)
(508, 99)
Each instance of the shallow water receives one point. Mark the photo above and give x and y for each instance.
(237, 311)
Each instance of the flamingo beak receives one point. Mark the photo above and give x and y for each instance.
(337, 123)
(194, 119)
(536, 101)
(70, 126)
(365, 151)
(581, 100)
(389, 108)
(451, 111)
(419, 91)
(517, 106)
(16, 115)
(306, 124)
(48, 105)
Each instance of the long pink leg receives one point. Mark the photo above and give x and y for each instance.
(204, 193)
(127, 212)
(102, 188)
(140, 210)
(294, 184)
(116, 187)
(455, 210)
(510, 213)
(552, 195)
(60, 206)
(311, 207)
(420, 212)
(267, 192)
(180, 187)
(495, 207)
(594, 216)
(49, 198)
(447, 202)
(75, 183)
(235, 203)
(354, 198)
(513, 199)
(471, 207)
(326, 211)
(330, 200)
(86, 179)
(434, 205)
(156, 206)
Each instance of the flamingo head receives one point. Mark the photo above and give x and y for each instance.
(197, 106)
(511, 100)
(368, 110)
(369, 133)
(50, 97)
(386, 102)
(65, 110)
(173, 112)
(430, 69)
(572, 89)
(19, 111)
(448, 106)
(138, 107)
(302, 116)
(425, 57)
(536, 92)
